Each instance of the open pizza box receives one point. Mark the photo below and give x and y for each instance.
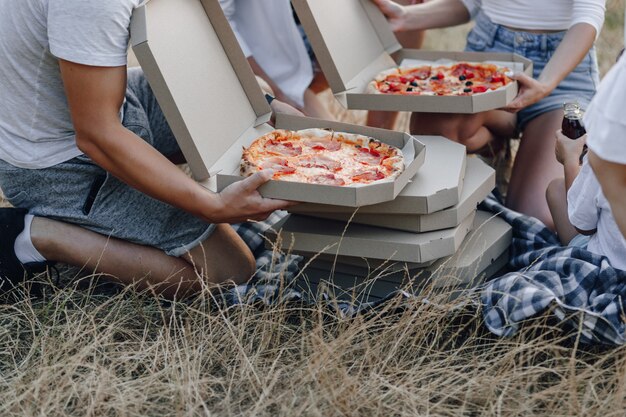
(215, 107)
(354, 43)
(480, 180)
(310, 235)
(483, 253)
(437, 185)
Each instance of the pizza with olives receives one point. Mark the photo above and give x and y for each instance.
(318, 156)
(460, 79)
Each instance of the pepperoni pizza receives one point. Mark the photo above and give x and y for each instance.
(461, 79)
(317, 156)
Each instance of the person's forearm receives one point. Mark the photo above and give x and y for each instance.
(259, 72)
(612, 178)
(571, 170)
(436, 14)
(147, 170)
(573, 48)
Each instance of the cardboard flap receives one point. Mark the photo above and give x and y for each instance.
(200, 76)
(347, 36)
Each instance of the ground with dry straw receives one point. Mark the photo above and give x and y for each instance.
(95, 350)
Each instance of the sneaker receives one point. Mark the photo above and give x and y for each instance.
(12, 271)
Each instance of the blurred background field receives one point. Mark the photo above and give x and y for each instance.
(85, 352)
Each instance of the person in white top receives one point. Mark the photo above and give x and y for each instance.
(607, 146)
(87, 158)
(578, 203)
(558, 36)
(268, 35)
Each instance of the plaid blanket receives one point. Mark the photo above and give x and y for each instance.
(580, 288)
(276, 274)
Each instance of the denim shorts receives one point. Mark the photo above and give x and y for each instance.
(580, 85)
(79, 192)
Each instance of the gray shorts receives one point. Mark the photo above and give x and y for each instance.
(79, 192)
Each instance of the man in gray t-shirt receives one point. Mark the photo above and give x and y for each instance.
(84, 142)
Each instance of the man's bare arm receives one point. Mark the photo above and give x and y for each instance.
(95, 95)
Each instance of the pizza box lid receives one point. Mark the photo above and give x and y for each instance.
(437, 185)
(353, 43)
(214, 105)
(307, 234)
(480, 180)
(483, 253)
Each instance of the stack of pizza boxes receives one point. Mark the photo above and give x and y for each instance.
(431, 234)
(405, 226)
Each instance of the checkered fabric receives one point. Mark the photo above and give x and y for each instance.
(276, 274)
(580, 288)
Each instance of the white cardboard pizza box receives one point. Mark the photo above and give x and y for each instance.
(346, 286)
(437, 185)
(214, 105)
(483, 253)
(310, 235)
(364, 265)
(490, 238)
(480, 180)
(353, 43)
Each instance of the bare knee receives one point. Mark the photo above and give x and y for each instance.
(223, 257)
(237, 262)
(555, 191)
(456, 127)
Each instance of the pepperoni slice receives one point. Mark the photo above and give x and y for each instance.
(280, 166)
(368, 176)
(369, 156)
(283, 148)
(319, 161)
(327, 179)
(323, 144)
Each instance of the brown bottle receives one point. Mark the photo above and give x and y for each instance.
(573, 121)
(572, 126)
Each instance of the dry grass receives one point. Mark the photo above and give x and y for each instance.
(131, 355)
(91, 353)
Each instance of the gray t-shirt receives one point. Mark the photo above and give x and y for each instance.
(36, 130)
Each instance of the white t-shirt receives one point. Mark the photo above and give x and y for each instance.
(541, 14)
(266, 30)
(36, 130)
(605, 119)
(588, 210)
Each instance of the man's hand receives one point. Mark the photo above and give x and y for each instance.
(568, 150)
(530, 92)
(240, 202)
(395, 13)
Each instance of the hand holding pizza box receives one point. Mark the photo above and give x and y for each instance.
(353, 59)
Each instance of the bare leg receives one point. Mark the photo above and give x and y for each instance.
(556, 195)
(313, 106)
(227, 258)
(382, 119)
(535, 167)
(472, 130)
